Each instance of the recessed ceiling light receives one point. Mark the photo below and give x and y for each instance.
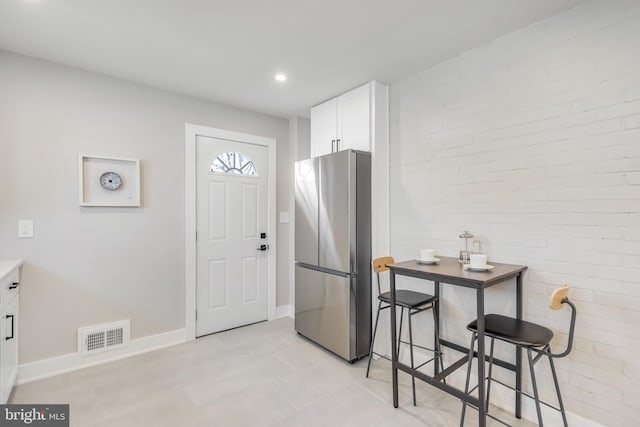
(280, 77)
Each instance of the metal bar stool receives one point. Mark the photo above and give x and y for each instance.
(414, 302)
(529, 336)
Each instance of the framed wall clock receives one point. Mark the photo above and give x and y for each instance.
(109, 181)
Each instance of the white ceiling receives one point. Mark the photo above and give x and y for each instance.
(229, 50)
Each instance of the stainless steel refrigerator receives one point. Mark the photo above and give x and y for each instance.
(333, 252)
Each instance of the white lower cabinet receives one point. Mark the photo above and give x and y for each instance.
(9, 345)
(9, 302)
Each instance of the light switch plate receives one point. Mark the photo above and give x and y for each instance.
(284, 217)
(25, 228)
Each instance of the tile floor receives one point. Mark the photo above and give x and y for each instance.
(259, 375)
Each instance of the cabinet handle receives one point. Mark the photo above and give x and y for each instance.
(333, 141)
(337, 145)
(14, 285)
(12, 325)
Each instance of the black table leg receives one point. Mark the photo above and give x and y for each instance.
(482, 406)
(518, 349)
(394, 352)
(436, 343)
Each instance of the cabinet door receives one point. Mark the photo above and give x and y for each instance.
(8, 349)
(323, 128)
(354, 119)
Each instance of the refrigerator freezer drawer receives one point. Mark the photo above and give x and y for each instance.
(325, 310)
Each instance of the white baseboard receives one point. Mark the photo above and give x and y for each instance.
(73, 361)
(284, 311)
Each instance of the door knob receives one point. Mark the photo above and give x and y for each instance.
(263, 248)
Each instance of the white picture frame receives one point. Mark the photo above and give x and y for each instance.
(92, 193)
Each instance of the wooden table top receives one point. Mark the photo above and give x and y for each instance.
(449, 270)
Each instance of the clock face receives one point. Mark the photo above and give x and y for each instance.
(110, 181)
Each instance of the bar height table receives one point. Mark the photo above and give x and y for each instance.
(450, 271)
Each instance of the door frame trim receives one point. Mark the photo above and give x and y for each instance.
(192, 132)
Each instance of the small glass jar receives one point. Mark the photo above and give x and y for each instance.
(465, 253)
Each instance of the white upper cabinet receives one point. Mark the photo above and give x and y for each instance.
(324, 123)
(354, 120)
(342, 123)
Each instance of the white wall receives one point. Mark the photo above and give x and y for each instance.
(299, 149)
(532, 142)
(92, 265)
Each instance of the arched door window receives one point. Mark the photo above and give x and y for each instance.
(233, 162)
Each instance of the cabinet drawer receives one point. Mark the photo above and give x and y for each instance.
(8, 287)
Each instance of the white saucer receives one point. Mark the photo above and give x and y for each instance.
(430, 262)
(485, 267)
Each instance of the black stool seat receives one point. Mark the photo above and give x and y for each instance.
(408, 299)
(515, 331)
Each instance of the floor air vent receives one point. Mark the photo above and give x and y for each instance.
(99, 338)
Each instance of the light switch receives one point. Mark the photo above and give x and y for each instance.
(284, 217)
(25, 228)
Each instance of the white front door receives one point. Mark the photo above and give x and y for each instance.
(232, 203)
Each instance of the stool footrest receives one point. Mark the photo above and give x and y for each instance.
(419, 346)
(389, 359)
(524, 394)
(428, 361)
(510, 388)
(452, 368)
(493, 417)
(382, 356)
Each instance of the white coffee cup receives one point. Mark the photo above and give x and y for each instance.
(478, 260)
(427, 255)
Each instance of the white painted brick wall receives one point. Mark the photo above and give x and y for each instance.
(532, 142)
